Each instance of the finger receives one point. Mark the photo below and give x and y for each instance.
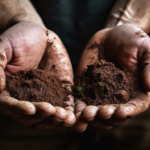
(146, 77)
(56, 61)
(106, 111)
(71, 98)
(89, 113)
(12, 107)
(68, 87)
(133, 107)
(79, 107)
(59, 116)
(43, 110)
(50, 123)
(69, 107)
(2, 78)
(44, 107)
(91, 52)
(69, 103)
(67, 123)
(3, 63)
(4, 93)
(144, 57)
(31, 120)
(60, 113)
(80, 125)
(70, 120)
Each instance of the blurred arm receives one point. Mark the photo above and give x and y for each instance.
(14, 11)
(135, 12)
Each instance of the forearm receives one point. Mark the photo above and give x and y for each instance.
(14, 11)
(136, 12)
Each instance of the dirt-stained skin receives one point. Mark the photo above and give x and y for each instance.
(55, 60)
(132, 50)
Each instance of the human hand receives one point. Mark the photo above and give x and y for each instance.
(135, 12)
(134, 55)
(22, 48)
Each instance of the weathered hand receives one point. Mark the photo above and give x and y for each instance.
(132, 11)
(22, 48)
(129, 47)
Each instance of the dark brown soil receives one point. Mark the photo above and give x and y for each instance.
(36, 86)
(103, 83)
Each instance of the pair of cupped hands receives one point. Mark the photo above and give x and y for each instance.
(22, 47)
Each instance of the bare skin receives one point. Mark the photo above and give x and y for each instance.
(133, 56)
(135, 12)
(17, 11)
(22, 48)
(129, 11)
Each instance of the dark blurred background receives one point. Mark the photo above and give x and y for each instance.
(134, 136)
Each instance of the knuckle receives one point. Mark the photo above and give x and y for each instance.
(60, 110)
(24, 103)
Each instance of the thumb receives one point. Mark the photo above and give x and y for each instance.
(144, 56)
(3, 63)
(91, 53)
(56, 61)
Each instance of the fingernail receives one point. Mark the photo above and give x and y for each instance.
(31, 111)
(51, 109)
(31, 107)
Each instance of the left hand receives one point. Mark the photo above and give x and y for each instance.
(135, 56)
(21, 48)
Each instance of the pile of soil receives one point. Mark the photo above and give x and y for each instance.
(36, 86)
(103, 83)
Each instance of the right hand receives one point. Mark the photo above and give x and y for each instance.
(135, 12)
(134, 55)
(22, 48)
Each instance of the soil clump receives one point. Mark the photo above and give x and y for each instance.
(36, 86)
(103, 83)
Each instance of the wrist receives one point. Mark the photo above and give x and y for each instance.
(135, 12)
(25, 18)
(15, 11)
